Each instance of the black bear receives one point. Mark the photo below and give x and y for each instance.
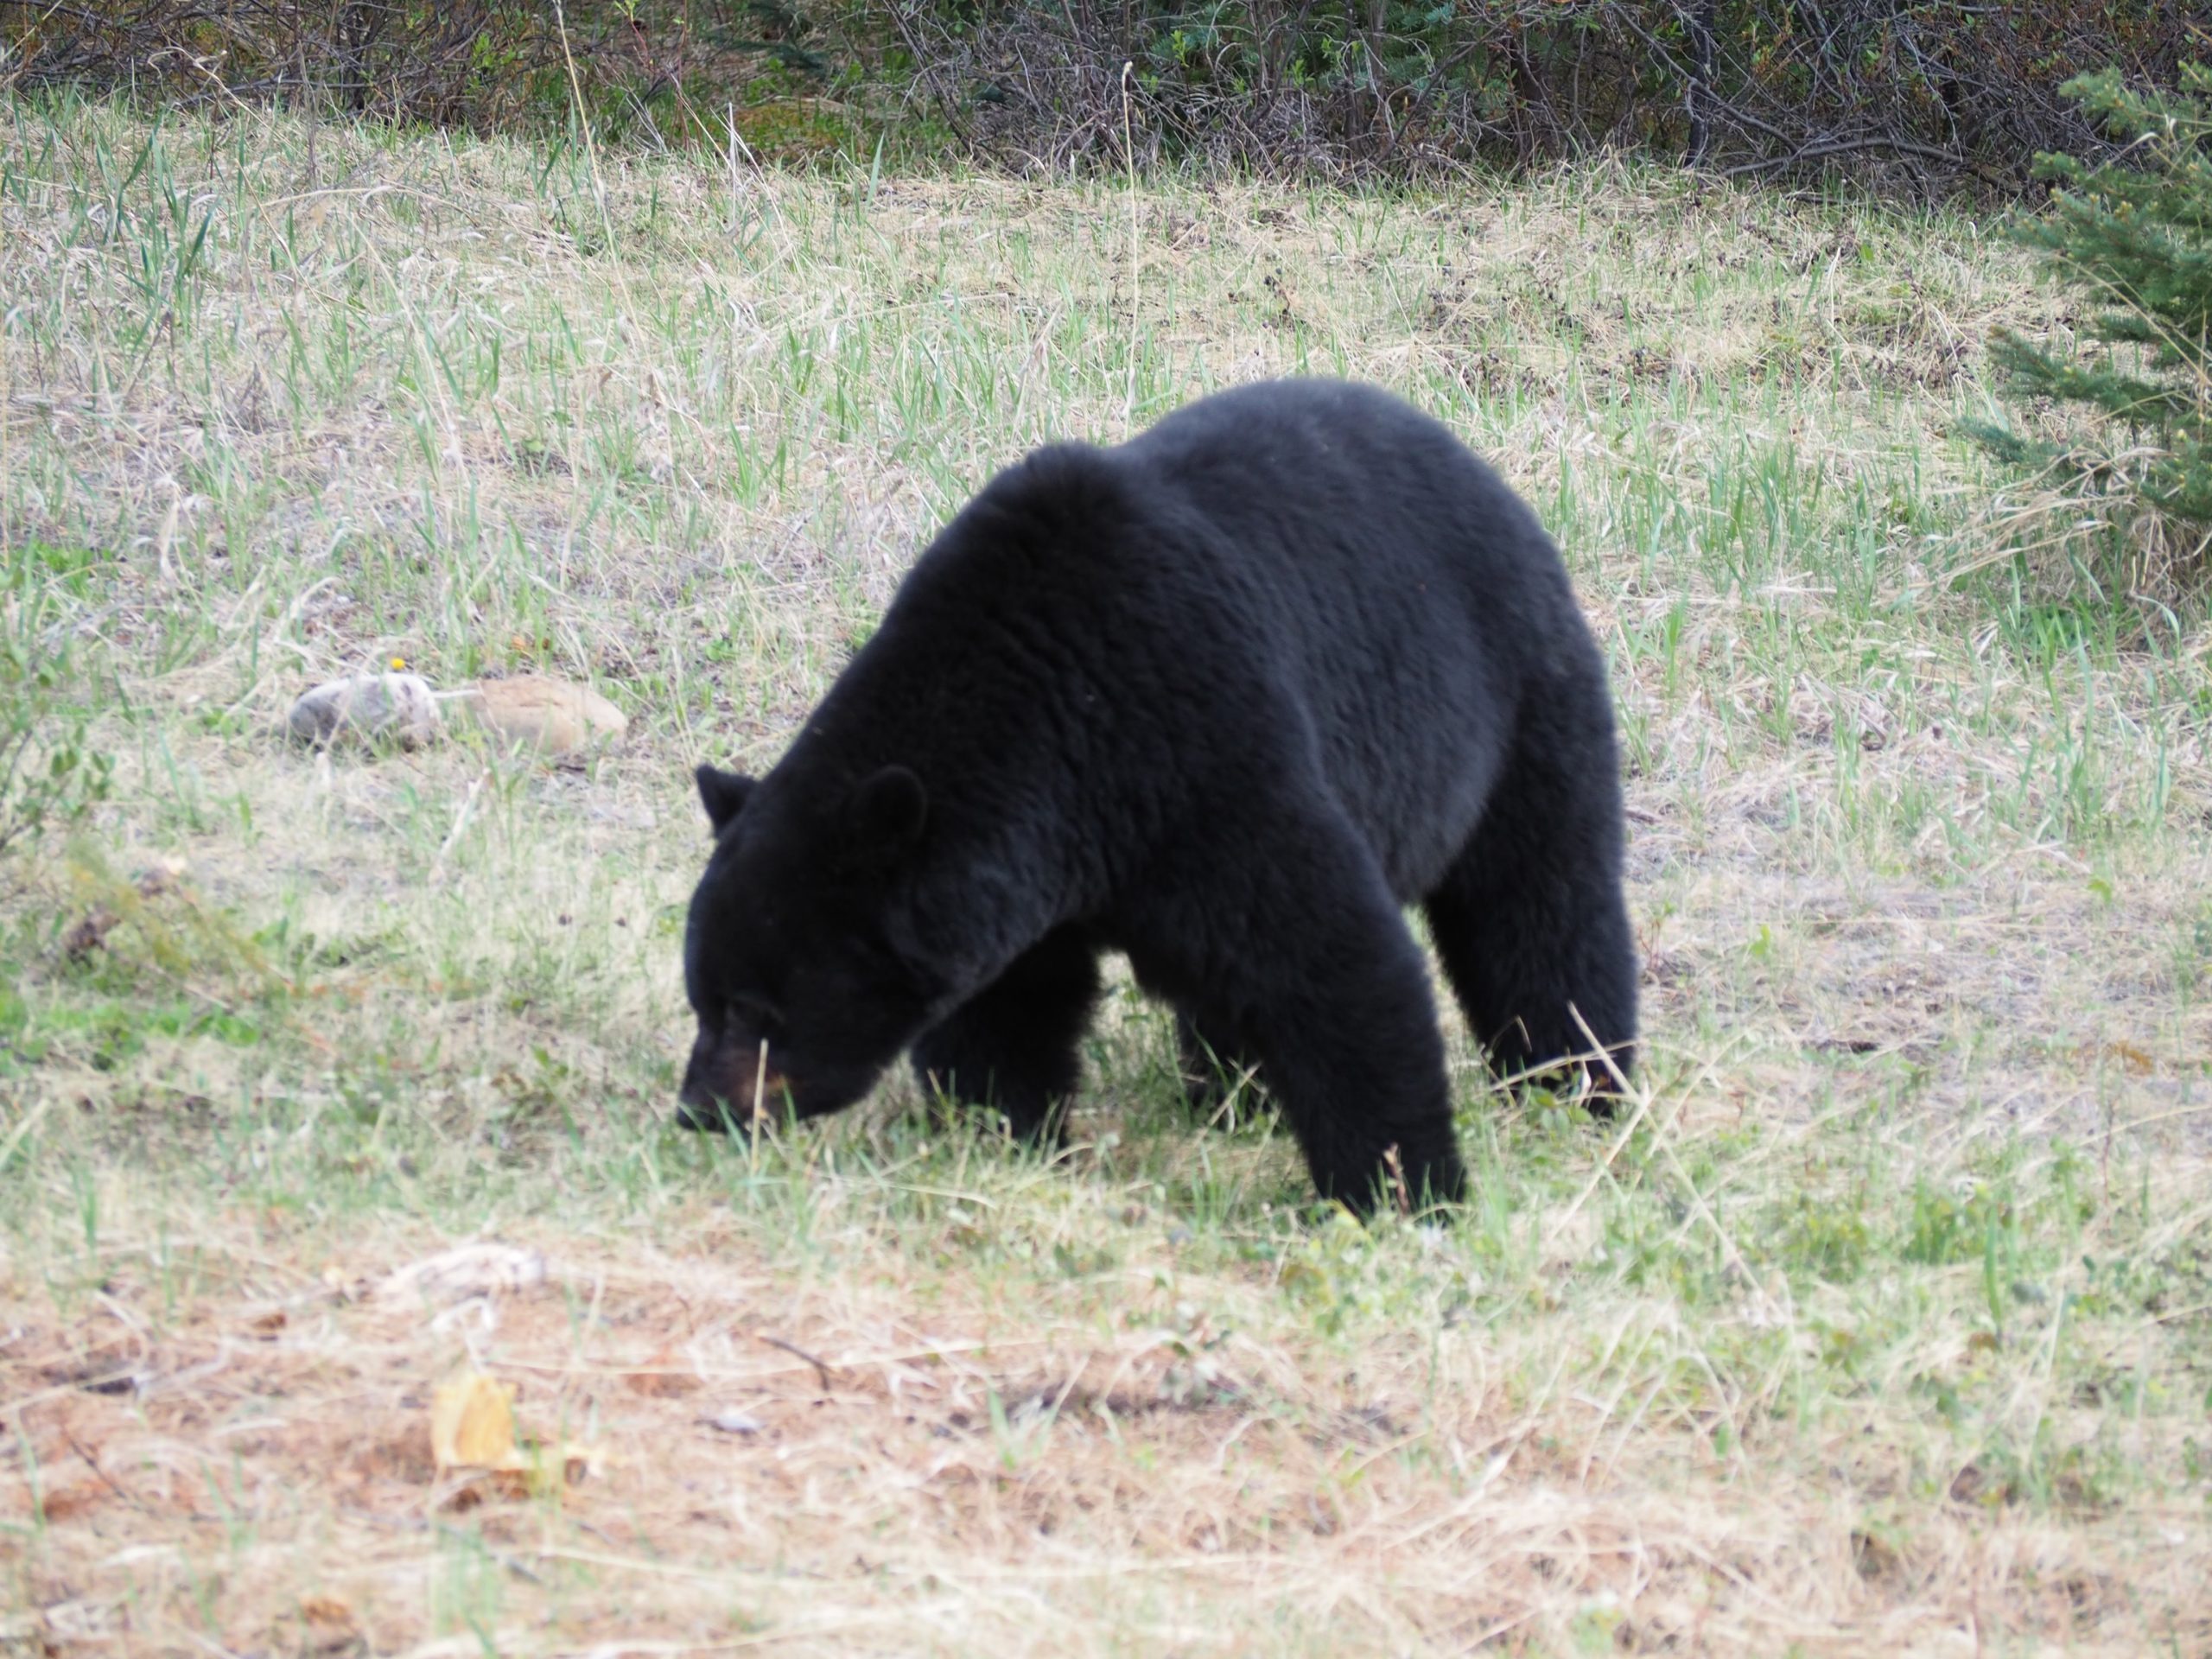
(1224, 699)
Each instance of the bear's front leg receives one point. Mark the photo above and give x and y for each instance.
(1354, 1059)
(1014, 1046)
(1300, 952)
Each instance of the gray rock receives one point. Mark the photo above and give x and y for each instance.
(367, 708)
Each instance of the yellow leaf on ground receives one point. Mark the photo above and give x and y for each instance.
(473, 1434)
(473, 1423)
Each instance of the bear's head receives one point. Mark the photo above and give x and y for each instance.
(792, 955)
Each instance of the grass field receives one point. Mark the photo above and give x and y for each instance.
(1881, 1325)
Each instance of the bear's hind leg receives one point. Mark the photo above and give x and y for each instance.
(1531, 920)
(1013, 1047)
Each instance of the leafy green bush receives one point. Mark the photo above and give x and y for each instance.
(2133, 237)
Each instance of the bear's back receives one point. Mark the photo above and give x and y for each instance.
(1283, 509)
(1294, 574)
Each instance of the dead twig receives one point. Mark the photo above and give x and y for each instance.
(828, 1372)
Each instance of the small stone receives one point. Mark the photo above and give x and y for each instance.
(367, 708)
(734, 1422)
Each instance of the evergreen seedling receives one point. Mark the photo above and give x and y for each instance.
(2134, 235)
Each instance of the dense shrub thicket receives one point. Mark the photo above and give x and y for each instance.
(1935, 89)
(1931, 88)
(480, 63)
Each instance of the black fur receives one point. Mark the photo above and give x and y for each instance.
(1223, 698)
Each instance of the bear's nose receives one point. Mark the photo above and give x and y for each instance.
(721, 1091)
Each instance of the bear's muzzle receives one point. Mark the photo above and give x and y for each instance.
(725, 1089)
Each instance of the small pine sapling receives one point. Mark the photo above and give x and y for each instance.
(2133, 235)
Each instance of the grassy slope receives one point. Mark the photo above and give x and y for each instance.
(1888, 1327)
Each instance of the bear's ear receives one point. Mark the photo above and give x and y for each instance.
(887, 810)
(723, 794)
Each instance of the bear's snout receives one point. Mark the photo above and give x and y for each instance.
(724, 1089)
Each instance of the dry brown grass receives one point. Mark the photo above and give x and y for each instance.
(1114, 1468)
(1886, 1329)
